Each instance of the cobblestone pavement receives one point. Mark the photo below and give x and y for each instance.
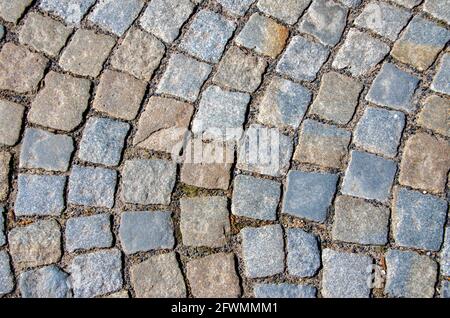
(94, 94)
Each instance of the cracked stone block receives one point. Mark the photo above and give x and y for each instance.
(2, 226)
(207, 36)
(93, 187)
(284, 290)
(44, 34)
(11, 11)
(236, 7)
(183, 77)
(5, 162)
(420, 43)
(103, 141)
(240, 71)
(379, 131)
(20, 69)
(434, 115)
(262, 250)
(158, 277)
(61, 103)
(40, 195)
(302, 59)
(255, 198)
(303, 258)
(6, 275)
(96, 273)
(324, 20)
(116, 16)
(360, 222)
(425, 163)
(164, 18)
(86, 53)
(287, 11)
(284, 104)
(213, 276)
(345, 275)
(88, 232)
(44, 150)
(445, 254)
(445, 289)
(418, 219)
(11, 115)
(410, 275)
(45, 282)
(322, 144)
(139, 54)
(309, 195)
(408, 3)
(204, 221)
(369, 176)
(441, 82)
(360, 53)
(219, 111)
(351, 3)
(71, 11)
(438, 8)
(393, 88)
(263, 35)
(148, 181)
(36, 244)
(146, 231)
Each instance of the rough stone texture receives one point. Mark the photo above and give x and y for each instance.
(11, 11)
(6, 276)
(46, 282)
(88, 232)
(408, 3)
(441, 82)
(303, 258)
(213, 276)
(409, 275)
(425, 163)
(445, 289)
(445, 254)
(351, 3)
(5, 162)
(2, 31)
(434, 115)
(11, 115)
(438, 8)
(119, 294)
(69, 10)
(2, 227)
(237, 7)
(287, 11)
(284, 290)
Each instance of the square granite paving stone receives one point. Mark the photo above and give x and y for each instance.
(439, 9)
(115, 16)
(445, 253)
(11, 115)
(369, 176)
(44, 150)
(213, 276)
(94, 187)
(61, 103)
(158, 277)
(325, 20)
(6, 275)
(146, 231)
(148, 181)
(441, 81)
(45, 282)
(239, 70)
(20, 69)
(303, 258)
(204, 221)
(44, 34)
(86, 53)
(322, 144)
(350, 3)
(183, 77)
(263, 35)
(408, 3)
(434, 115)
(288, 11)
(11, 11)
(360, 222)
(284, 104)
(420, 43)
(103, 141)
(36, 244)
(445, 288)
(139, 54)
(409, 275)
(255, 198)
(309, 195)
(2, 226)
(284, 290)
(5, 163)
(345, 275)
(40, 195)
(164, 18)
(360, 53)
(379, 131)
(302, 59)
(88, 232)
(262, 251)
(96, 273)
(418, 220)
(236, 7)
(71, 11)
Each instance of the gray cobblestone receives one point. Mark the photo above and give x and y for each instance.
(303, 258)
(88, 232)
(11, 11)
(284, 290)
(71, 11)
(11, 115)
(445, 289)
(2, 227)
(6, 276)
(434, 115)
(408, 3)
(46, 282)
(237, 7)
(441, 80)
(438, 8)
(5, 163)
(445, 254)
(287, 11)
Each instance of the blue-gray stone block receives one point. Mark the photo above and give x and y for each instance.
(71, 11)
(284, 290)
(6, 276)
(2, 31)
(445, 254)
(441, 82)
(303, 258)
(237, 7)
(351, 3)
(445, 289)
(87, 232)
(45, 282)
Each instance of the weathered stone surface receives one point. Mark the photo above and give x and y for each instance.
(445, 289)
(40, 195)
(410, 275)
(11, 11)
(6, 276)
(303, 258)
(2, 32)
(351, 3)
(10, 122)
(441, 82)
(360, 222)
(5, 162)
(213, 276)
(148, 181)
(425, 163)
(69, 10)
(438, 8)
(61, 103)
(88, 232)
(158, 277)
(262, 250)
(44, 150)
(287, 11)
(445, 254)
(119, 294)
(46, 282)
(2, 227)
(36, 244)
(408, 3)
(434, 115)
(262, 290)
(146, 231)
(237, 7)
